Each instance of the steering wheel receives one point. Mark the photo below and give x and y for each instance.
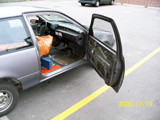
(40, 29)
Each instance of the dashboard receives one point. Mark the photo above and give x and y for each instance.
(67, 31)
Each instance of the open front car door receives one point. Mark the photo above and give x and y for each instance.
(104, 50)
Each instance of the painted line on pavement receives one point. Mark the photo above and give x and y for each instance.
(141, 62)
(91, 97)
(134, 10)
(158, 18)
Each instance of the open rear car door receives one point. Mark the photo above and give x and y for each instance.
(104, 50)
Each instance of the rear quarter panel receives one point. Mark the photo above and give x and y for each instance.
(20, 64)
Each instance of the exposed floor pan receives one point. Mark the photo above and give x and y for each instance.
(64, 59)
(63, 56)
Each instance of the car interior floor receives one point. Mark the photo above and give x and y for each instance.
(65, 53)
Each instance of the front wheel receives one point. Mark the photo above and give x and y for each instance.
(97, 3)
(82, 4)
(8, 97)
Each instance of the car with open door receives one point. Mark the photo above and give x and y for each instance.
(37, 44)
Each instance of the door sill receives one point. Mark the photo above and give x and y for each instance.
(63, 69)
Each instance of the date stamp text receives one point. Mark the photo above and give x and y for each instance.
(135, 103)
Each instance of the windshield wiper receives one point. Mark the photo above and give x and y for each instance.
(63, 21)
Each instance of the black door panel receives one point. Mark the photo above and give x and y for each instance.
(101, 58)
(104, 50)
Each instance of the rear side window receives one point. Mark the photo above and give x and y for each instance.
(12, 35)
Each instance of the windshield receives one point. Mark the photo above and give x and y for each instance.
(55, 18)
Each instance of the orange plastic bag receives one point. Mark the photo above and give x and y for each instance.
(44, 43)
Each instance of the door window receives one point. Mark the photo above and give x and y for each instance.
(103, 31)
(12, 34)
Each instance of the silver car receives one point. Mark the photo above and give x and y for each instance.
(73, 44)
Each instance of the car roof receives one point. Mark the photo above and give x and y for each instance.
(18, 10)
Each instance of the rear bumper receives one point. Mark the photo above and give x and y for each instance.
(87, 2)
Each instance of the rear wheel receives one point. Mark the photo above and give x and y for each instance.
(97, 3)
(8, 97)
(112, 2)
(82, 4)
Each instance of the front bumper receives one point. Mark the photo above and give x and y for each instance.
(87, 2)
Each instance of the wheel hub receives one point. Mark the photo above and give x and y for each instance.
(97, 4)
(1, 100)
(5, 100)
(112, 2)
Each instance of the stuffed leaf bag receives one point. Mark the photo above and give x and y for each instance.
(44, 43)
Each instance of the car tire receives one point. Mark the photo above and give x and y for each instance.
(9, 96)
(97, 3)
(82, 4)
(112, 2)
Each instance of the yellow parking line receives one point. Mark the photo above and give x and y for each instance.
(158, 18)
(141, 62)
(80, 104)
(89, 98)
(135, 10)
